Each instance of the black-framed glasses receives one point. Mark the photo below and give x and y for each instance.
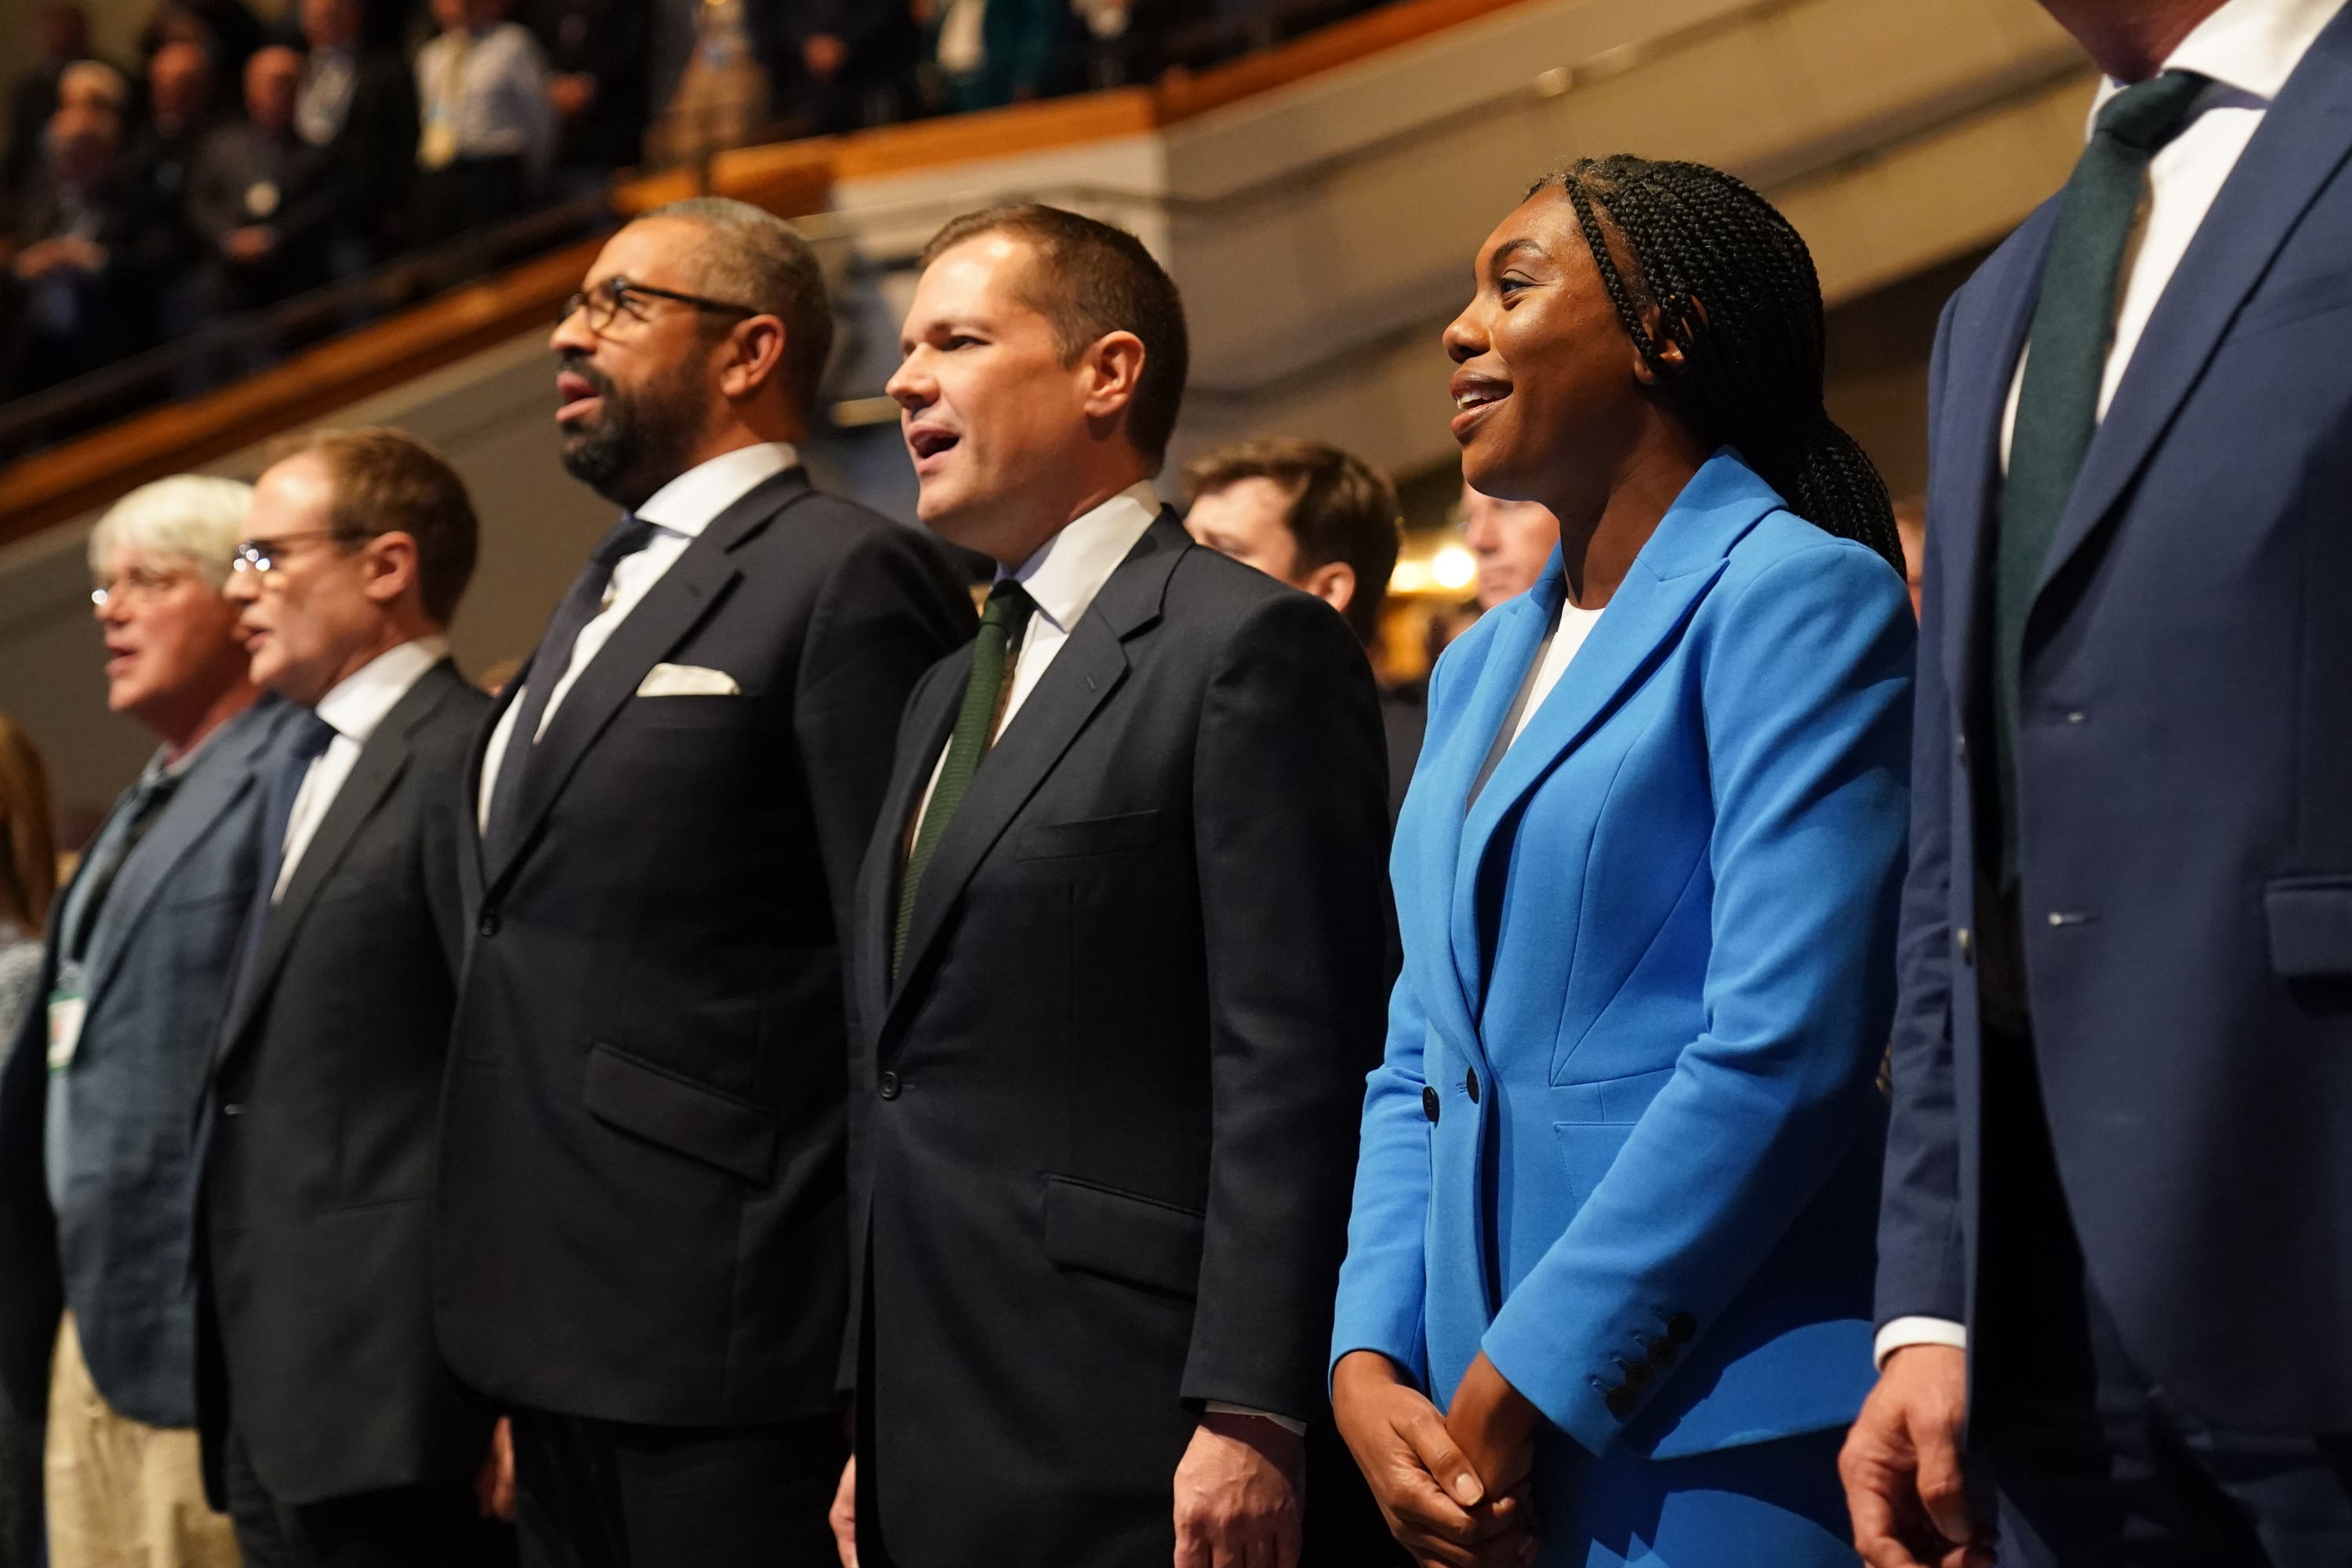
(608, 301)
(262, 554)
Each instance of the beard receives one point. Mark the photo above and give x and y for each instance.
(637, 441)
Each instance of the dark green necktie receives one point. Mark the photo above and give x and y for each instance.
(2065, 362)
(1000, 623)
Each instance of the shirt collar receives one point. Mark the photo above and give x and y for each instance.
(1070, 568)
(688, 503)
(2248, 46)
(361, 700)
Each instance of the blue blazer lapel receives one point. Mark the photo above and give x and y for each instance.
(2303, 140)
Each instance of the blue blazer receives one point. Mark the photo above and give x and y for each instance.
(1628, 1117)
(2185, 800)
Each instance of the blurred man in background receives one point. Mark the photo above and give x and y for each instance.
(338, 1438)
(600, 54)
(99, 1099)
(259, 198)
(1511, 539)
(73, 286)
(60, 37)
(489, 126)
(356, 104)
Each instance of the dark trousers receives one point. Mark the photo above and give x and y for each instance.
(434, 1525)
(2094, 1465)
(607, 1494)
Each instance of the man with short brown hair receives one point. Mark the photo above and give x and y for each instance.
(1115, 962)
(1308, 514)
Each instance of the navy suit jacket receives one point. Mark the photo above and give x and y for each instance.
(2185, 799)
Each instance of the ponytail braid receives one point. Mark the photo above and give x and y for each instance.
(1729, 283)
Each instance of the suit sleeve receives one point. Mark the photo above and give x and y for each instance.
(448, 835)
(1383, 1285)
(1806, 697)
(1921, 1270)
(887, 612)
(1289, 822)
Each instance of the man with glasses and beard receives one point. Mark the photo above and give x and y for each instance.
(640, 1222)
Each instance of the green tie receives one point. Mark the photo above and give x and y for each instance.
(2058, 407)
(1000, 623)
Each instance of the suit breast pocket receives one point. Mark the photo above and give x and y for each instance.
(1090, 836)
(695, 711)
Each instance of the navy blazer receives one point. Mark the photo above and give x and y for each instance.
(2185, 801)
(1628, 1116)
(158, 967)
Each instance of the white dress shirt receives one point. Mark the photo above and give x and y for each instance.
(353, 709)
(2249, 47)
(678, 511)
(483, 95)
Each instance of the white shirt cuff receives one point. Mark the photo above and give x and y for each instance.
(1219, 1407)
(1904, 1331)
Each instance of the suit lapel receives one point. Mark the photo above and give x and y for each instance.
(2302, 141)
(214, 786)
(1984, 367)
(379, 767)
(672, 608)
(930, 719)
(1090, 666)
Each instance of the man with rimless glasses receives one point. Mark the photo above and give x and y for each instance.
(639, 1234)
(99, 1100)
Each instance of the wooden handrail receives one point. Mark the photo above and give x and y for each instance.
(793, 178)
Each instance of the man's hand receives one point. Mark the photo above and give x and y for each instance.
(1429, 1493)
(250, 244)
(571, 94)
(1238, 1494)
(843, 1516)
(1904, 1483)
(824, 54)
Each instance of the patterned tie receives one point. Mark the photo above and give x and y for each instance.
(149, 796)
(1000, 625)
(307, 740)
(580, 606)
(2058, 407)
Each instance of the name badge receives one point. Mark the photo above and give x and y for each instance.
(260, 199)
(66, 1007)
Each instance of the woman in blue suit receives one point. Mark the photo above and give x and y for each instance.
(1612, 1247)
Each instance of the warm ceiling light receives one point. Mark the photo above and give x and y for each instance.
(1453, 567)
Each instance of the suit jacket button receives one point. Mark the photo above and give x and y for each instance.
(1967, 944)
(888, 1086)
(1620, 1401)
(1470, 1082)
(1663, 1353)
(1429, 1101)
(1681, 1328)
(490, 924)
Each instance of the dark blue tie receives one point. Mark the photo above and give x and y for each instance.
(2065, 365)
(307, 739)
(553, 656)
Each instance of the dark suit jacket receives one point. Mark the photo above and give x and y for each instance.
(2185, 761)
(364, 189)
(1105, 1115)
(158, 965)
(641, 1177)
(606, 39)
(325, 1086)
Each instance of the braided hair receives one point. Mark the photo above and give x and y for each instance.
(1733, 286)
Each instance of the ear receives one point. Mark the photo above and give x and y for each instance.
(1669, 350)
(1333, 584)
(391, 567)
(1111, 370)
(753, 358)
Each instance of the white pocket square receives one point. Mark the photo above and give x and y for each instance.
(688, 680)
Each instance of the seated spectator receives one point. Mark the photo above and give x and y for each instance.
(72, 284)
(61, 34)
(261, 199)
(837, 65)
(161, 170)
(598, 50)
(358, 104)
(991, 52)
(488, 126)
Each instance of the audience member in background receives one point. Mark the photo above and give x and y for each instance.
(487, 123)
(226, 29)
(357, 104)
(837, 65)
(74, 286)
(100, 1100)
(259, 199)
(163, 156)
(1115, 1024)
(600, 53)
(1511, 539)
(1614, 1211)
(1324, 522)
(640, 1224)
(61, 35)
(987, 53)
(341, 1439)
(29, 877)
